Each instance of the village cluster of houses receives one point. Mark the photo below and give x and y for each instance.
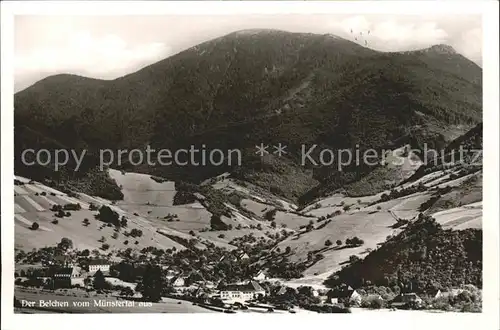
(68, 274)
(251, 290)
(236, 293)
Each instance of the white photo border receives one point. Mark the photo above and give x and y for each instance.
(488, 319)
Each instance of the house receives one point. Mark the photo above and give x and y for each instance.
(243, 256)
(282, 290)
(406, 300)
(171, 273)
(242, 292)
(344, 296)
(203, 293)
(61, 277)
(235, 256)
(77, 272)
(315, 293)
(98, 264)
(261, 276)
(450, 294)
(177, 281)
(436, 294)
(194, 277)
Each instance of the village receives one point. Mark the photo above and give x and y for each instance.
(80, 274)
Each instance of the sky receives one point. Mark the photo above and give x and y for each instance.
(108, 47)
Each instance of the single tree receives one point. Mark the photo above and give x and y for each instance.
(99, 281)
(152, 283)
(328, 242)
(65, 244)
(34, 226)
(136, 232)
(269, 215)
(339, 242)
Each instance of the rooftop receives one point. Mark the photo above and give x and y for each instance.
(62, 271)
(341, 293)
(98, 262)
(250, 286)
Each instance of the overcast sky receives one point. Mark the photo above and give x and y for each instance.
(108, 47)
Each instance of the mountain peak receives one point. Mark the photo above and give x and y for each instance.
(441, 49)
(256, 31)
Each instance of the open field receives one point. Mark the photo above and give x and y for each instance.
(31, 206)
(372, 228)
(467, 216)
(371, 224)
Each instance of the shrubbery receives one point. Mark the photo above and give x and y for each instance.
(135, 232)
(107, 215)
(269, 215)
(184, 197)
(217, 224)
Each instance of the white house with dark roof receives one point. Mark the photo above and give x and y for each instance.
(242, 292)
(243, 256)
(261, 276)
(345, 295)
(177, 281)
(98, 264)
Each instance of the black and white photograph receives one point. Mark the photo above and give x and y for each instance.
(250, 163)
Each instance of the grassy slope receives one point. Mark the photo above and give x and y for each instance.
(72, 227)
(424, 254)
(373, 225)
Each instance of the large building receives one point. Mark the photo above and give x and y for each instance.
(346, 295)
(242, 292)
(61, 277)
(98, 264)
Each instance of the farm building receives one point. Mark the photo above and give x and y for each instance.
(242, 292)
